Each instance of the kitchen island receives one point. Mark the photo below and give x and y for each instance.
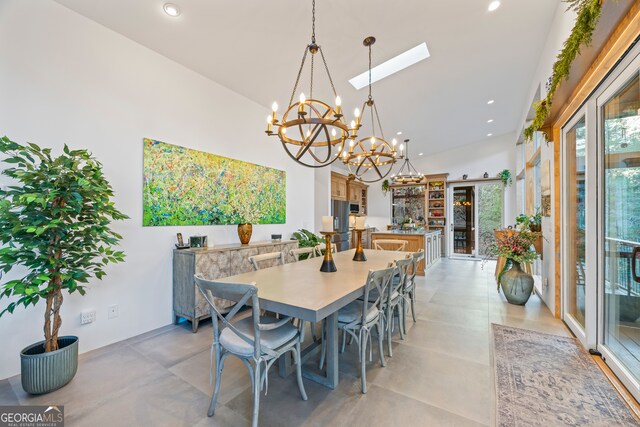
(429, 240)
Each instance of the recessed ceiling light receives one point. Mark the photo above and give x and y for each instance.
(490, 121)
(399, 132)
(420, 154)
(489, 134)
(491, 101)
(400, 62)
(171, 9)
(494, 5)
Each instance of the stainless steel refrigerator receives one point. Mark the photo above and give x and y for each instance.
(340, 213)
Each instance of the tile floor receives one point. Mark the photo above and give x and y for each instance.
(440, 375)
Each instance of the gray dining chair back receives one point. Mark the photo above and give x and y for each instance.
(410, 284)
(262, 261)
(297, 252)
(258, 341)
(394, 304)
(359, 317)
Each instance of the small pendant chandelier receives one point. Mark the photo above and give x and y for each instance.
(407, 173)
(312, 132)
(371, 158)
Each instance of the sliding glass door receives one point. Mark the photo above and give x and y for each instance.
(601, 222)
(619, 116)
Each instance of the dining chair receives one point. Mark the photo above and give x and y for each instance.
(357, 318)
(409, 292)
(257, 259)
(258, 341)
(394, 304)
(390, 244)
(297, 252)
(320, 248)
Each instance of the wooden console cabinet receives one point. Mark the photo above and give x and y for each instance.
(213, 263)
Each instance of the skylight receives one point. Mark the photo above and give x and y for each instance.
(400, 62)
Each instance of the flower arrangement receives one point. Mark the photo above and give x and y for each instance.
(515, 247)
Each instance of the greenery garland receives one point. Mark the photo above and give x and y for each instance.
(588, 14)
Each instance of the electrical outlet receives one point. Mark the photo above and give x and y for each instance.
(114, 311)
(545, 283)
(87, 317)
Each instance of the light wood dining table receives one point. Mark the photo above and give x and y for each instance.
(302, 291)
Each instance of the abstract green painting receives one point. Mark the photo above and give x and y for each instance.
(189, 187)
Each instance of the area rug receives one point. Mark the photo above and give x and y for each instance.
(548, 380)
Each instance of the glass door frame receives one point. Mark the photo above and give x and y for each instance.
(622, 74)
(450, 228)
(587, 335)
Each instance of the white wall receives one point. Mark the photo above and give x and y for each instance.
(491, 155)
(66, 79)
(559, 31)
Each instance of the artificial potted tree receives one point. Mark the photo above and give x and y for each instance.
(55, 221)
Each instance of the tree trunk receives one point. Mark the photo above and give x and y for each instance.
(47, 323)
(52, 319)
(54, 297)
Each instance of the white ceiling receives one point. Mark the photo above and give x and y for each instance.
(254, 47)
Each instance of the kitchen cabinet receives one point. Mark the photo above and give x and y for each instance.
(338, 186)
(346, 189)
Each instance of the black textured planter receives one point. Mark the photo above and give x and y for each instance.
(45, 372)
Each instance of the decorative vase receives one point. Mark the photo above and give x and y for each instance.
(537, 228)
(45, 372)
(516, 284)
(244, 233)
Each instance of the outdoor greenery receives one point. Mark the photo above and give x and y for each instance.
(54, 220)
(588, 15)
(490, 207)
(622, 178)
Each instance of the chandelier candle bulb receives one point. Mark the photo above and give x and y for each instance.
(301, 111)
(269, 122)
(274, 109)
(338, 113)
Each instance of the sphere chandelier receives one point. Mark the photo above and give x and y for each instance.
(371, 158)
(407, 173)
(311, 131)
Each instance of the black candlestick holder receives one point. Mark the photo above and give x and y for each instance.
(328, 266)
(359, 255)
